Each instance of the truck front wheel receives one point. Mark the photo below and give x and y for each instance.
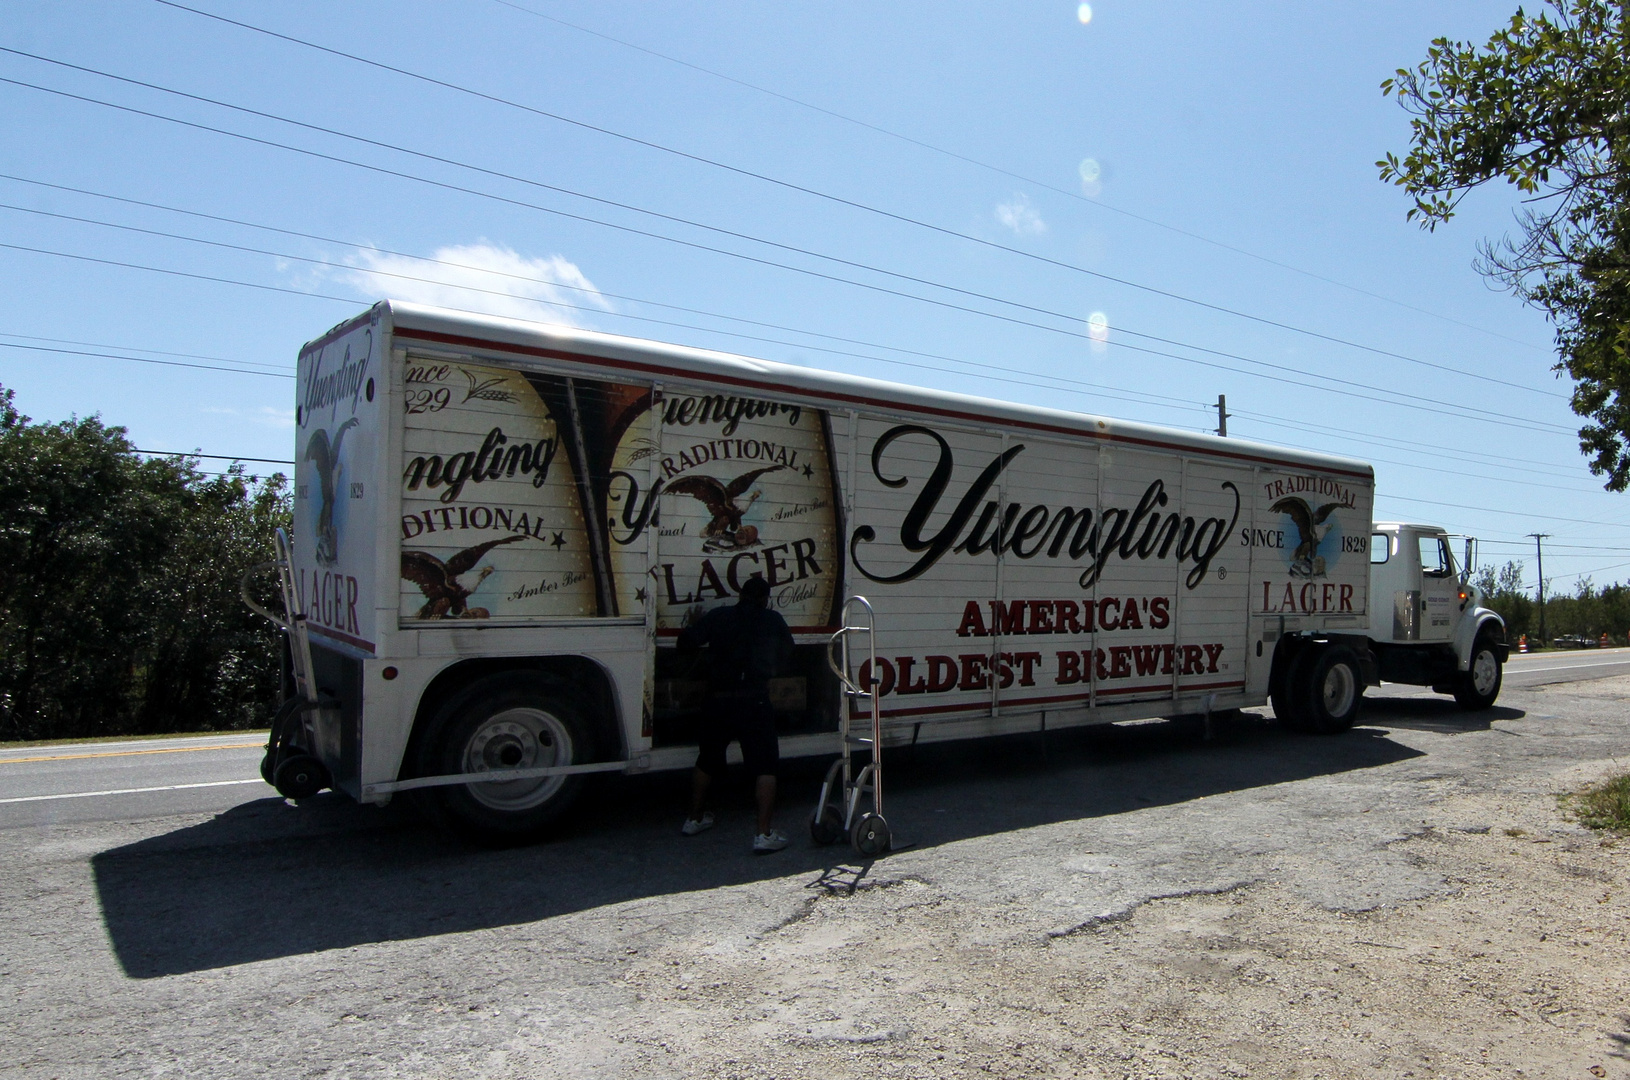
(1328, 686)
(1480, 684)
(518, 720)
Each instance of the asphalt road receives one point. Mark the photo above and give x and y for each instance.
(166, 914)
(43, 786)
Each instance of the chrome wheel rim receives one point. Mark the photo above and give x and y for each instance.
(1485, 670)
(517, 739)
(1339, 690)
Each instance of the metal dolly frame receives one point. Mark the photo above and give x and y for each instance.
(837, 813)
(293, 770)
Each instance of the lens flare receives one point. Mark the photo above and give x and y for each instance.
(1091, 173)
(1098, 331)
(1084, 13)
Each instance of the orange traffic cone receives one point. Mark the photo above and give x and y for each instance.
(1522, 643)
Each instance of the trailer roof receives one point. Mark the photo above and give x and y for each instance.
(655, 360)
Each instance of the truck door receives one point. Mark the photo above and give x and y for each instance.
(1440, 588)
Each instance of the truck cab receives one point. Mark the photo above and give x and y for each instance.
(1428, 625)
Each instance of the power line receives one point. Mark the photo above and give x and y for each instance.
(737, 235)
(1104, 391)
(144, 359)
(887, 360)
(1506, 513)
(1155, 398)
(789, 344)
(1279, 423)
(1077, 196)
(792, 186)
(1429, 404)
(129, 348)
(1588, 573)
(1433, 408)
(1456, 453)
(1592, 549)
(215, 457)
(1284, 422)
(1178, 402)
(546, 303)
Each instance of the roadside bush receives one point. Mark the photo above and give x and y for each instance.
(119, 610)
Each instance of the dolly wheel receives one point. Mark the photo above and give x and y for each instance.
(300, 776)
(870, 836)
(826, 825)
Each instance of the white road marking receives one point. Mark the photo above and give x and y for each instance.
(128, 791)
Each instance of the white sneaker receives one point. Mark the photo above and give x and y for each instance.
(693, 826)
(765, 843)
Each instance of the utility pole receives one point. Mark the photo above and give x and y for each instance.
(1539, 555)
(1222, 415)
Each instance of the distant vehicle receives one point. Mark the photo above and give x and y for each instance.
(501, 528)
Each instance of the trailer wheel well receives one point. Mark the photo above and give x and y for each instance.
(582, 675)
(1284, 654)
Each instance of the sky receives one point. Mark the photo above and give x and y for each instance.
(1123, 209)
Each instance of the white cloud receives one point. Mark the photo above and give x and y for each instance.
(274, 417)
(482, 277)
(267, 415)
(1021, 217)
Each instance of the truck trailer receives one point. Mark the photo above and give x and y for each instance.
(500, 528)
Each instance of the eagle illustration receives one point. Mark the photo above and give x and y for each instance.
(725, 530)
(445, 597)
(327, 457)
(1305, 560)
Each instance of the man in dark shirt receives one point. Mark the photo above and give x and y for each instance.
(748, 644)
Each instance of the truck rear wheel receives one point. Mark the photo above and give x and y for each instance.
(1480, 684)
(517, 720)
(1287, 706)
(1328, 685)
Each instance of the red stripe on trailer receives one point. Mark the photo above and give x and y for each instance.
(658, 370)
(337, 636)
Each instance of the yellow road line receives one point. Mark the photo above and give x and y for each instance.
(131, 753)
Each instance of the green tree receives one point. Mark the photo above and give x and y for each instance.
(119, 610)
(1545, 106)
(1503, 591)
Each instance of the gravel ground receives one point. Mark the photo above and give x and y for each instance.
(1404, 900)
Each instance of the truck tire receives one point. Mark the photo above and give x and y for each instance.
(1479, 685)
(514, 720)
(1329, 687)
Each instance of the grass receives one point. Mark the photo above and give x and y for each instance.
(1605, 805)
(21, 744)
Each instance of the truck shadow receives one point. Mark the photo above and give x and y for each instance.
(1436, 714)
(267, 880)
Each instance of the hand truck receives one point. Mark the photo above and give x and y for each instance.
(837, 813)
(295, 772)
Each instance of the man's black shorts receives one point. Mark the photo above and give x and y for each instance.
(749, 721)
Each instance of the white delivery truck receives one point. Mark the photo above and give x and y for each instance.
(501, 527)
